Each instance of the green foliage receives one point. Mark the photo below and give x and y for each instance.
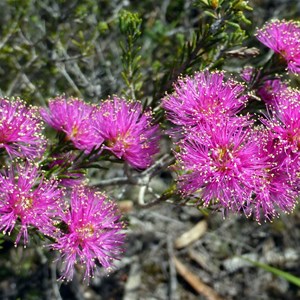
(218, 30)
(129, 24)
(48, 47)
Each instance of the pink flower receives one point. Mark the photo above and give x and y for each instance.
(29, 200)
(247, 73)
(20, 129)
(220, 164)
(283, 37)
(93, 232)
(270, 89)
(204, 97)
(127, 131)
(279, 185)
(284, 122)
(73, 117)
(238, 169)
(276, 189)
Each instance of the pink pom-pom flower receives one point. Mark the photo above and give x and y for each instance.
(28, 200)
(93, 232)
(283, 37)
(127, 131)
(21, 129)
(73, 117)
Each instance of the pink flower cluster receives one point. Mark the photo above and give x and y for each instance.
(42, 188)
(227, 159)
(116, 125)
(230, 161)
(85, 229)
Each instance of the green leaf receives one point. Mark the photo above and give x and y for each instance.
(210, 14)
(285, 275)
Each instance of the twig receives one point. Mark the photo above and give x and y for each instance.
(55, 284)
(75, 69)
(159, 200)
(164, 161)
(114, 181)
(164, 217)
(134, 281)
(191, 235)
(173, 295)
(141, 198)
(64, 72)
(141, 178)
(12, 29)
(108, 71)
(20, 73)
(33, 87)
(195, 281)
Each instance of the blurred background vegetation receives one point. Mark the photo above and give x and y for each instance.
(92, 49)
(77, 47)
